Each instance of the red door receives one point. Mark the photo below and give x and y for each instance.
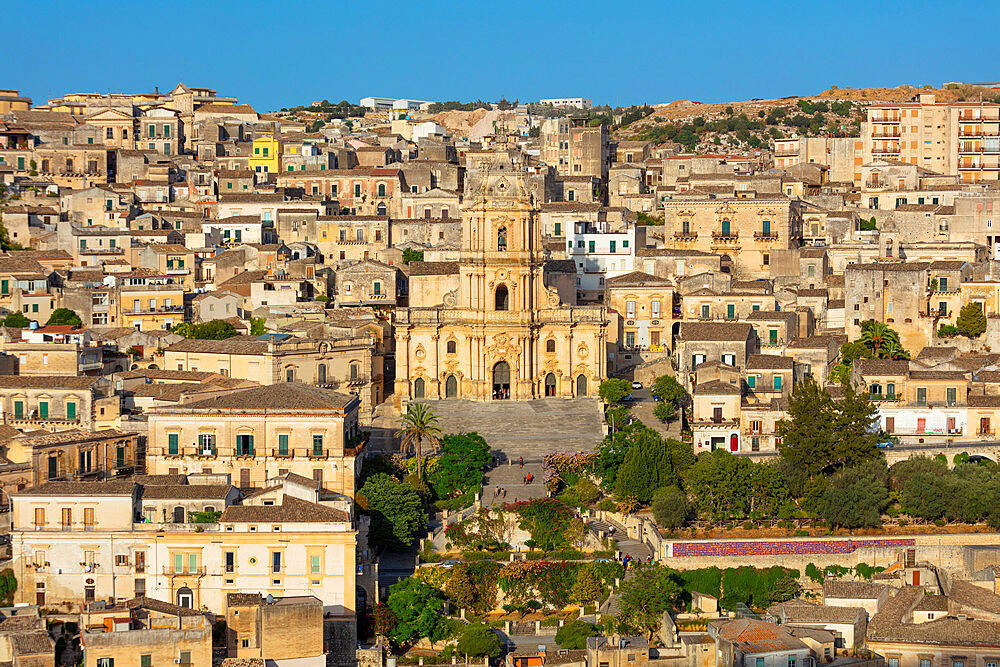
(951, 424)
(921, 425)
(734, 443)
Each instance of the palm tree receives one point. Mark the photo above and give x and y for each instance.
(892, 349)
(878, 336)
(419, 426)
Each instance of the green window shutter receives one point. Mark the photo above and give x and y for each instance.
(229, 185)
(192, 562)
(172, 443)
(34, 307)
(612, 246)
(71, 411)
(591, 246)
(283, 444)
(730, 310)
(146, 660)
(777, 382)
(43, 409)
(751, 381)
(4, 286)
(178, 562)
(250, 443)
(152, 130)
(317, 445)
(314, 564)
(18, 410)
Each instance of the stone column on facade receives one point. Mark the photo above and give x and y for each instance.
(435, 365)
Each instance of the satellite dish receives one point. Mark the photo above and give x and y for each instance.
(269, 599)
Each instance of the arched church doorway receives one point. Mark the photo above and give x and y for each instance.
(550, 385)
(501, 381)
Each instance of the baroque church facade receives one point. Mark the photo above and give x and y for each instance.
(502, 322)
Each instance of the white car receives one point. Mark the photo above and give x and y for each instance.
(636, 384)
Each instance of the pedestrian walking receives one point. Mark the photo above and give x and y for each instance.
(520, 460)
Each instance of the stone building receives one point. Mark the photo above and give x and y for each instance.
(892, 292)
(496, 324)
(744, 231)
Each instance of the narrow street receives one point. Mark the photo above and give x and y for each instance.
(642, 407)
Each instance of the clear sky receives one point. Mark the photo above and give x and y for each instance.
(278, 54)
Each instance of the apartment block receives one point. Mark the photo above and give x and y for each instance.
(949, 138)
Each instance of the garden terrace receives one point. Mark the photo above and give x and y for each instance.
(781, 547)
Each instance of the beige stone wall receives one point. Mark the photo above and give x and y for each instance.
(336, 467)
(164, 646)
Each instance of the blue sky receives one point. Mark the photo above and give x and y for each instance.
(276, 54)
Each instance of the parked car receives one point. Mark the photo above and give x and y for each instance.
(636, 384)
(448, 564)
(888, 444)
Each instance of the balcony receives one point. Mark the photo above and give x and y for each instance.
(710, 422)
(885, 118)
(886, 398)
(725, 236)
(885, 134)
(287, 454)
(186, 572)
(359, 381)
(686, 236)
(986, 434)
(765, 236)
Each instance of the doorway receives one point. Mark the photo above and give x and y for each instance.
(501, 381)
(550, 385)
(451, 387)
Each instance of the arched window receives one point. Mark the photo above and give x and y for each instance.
(875, 389)
(321, 374)
(502, 298)
(289, 375)
(581, 385)
(550, 345)
(381, 209)
(418, 388)
(451, 387)
(381, 189)
(501, 381)
(451, 347)
(178, 514)
(502, 239)
(550, 385)
(354, 371)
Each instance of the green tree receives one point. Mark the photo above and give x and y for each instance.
(643, 599)
(463, 457)
(971, 320)
(882, 340)
(16, 320)
(807, 435)
(573, 636)
(588, 587)
(535, 132)
(8, 586)
(473, 586)
(724, 486)
(586, 491)
(849, 353)
(64, 317)
(419, 612)
(856, 497)
(215, 330)
(646, 467)
(479, 640)
(258, 326)
(397, 514)
(411, 255)
(419, 425)
(614, 390)
(669, 391)
(855, 423)
(671, 508)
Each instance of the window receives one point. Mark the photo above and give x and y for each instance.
(230, 561)
(105, 662)
(921, 396)
(612, 246)
(952, 395)
(67, 518)
(630, 309)
(777, 383)
(70, 410)
(146, 660)
(314, 564)
(550, 345)
(451, 347)
(791, 661)
(172, 443)
(730, 311)
(317, 449)
(502, 239)
(705, 311)
(591, 246)
(751, 381)
(760, 662)
(558, 230)
(381, 189)
(276, 561)
(244, 444)
(629, 339)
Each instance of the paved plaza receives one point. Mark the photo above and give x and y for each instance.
(526, 428)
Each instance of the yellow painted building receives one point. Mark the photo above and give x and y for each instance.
(265, 156)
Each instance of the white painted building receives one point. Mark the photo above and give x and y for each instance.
(578, 102)
(600, 254)
(394, 104)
